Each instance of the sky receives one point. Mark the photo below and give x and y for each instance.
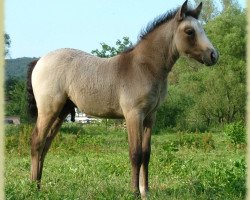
(37, 27)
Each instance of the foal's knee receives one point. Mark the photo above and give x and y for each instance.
(146, 156)
(136, 157)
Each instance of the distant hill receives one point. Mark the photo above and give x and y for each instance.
(17, 68)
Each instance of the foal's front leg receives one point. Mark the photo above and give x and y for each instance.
(146, 150)
(135, 127)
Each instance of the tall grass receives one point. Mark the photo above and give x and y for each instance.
(91, 162)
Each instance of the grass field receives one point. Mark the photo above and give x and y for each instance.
(92, 162)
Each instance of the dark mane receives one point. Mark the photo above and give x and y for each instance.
(161, 19)
(158, 21)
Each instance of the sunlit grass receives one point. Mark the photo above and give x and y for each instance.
(92, 162)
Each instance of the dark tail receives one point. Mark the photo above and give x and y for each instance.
(32, 109)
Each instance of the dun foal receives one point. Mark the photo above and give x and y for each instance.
(130, 85)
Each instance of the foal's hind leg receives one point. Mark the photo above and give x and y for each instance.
(146, 150)
(51, 135)
(38, 139)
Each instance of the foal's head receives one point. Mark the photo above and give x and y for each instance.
(190, 38)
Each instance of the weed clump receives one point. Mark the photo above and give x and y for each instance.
(236, 132)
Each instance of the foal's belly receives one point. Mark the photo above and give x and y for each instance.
(109, 115)
(105, 107)
(106, 112)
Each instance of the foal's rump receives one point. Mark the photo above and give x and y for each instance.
(88, 81)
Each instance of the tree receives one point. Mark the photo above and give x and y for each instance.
(7, 42)
(108, 51)
(218, 95)
(228, 4)
(209, 10)
(17, 102)
(228, 31)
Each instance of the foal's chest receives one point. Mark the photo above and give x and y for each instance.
(155, 97)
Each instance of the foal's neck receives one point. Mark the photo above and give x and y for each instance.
(157, 50)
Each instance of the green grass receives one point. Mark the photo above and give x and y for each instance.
(92, 162)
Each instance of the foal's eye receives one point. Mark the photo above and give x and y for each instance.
(189, 31)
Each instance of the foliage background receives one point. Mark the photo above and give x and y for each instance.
(199, 144)
(199, 98)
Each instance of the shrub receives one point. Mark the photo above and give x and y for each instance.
(229, 177)
(236, 132)
(196, 140)
(18, 137)
(24, 138)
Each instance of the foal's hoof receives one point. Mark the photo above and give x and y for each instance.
(144, 195)
(141, 195)
(39, 185)
(137, 195)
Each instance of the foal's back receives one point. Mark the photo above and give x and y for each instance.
(87, 80)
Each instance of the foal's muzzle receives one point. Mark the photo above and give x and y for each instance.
(210, 57)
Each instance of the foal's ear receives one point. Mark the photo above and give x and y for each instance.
(196, 12)
(181, 14)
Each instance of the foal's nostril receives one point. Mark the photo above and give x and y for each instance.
(213, 57)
